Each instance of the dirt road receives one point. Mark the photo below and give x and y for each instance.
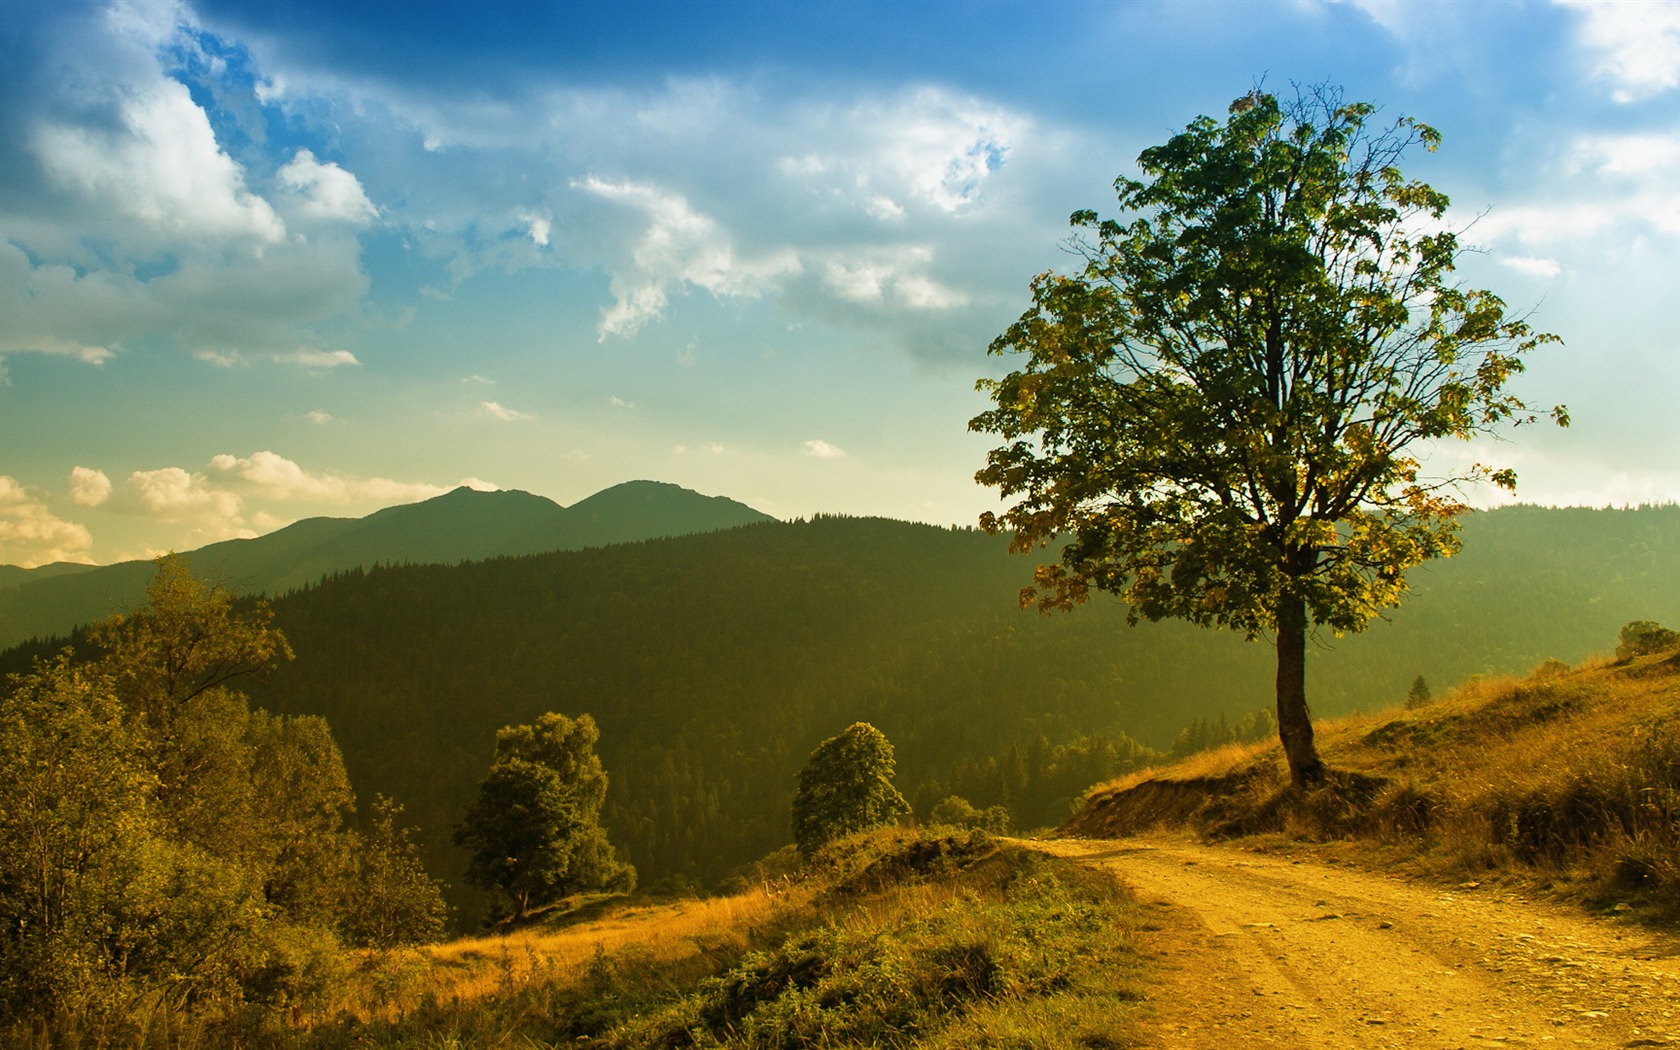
(1262, 951)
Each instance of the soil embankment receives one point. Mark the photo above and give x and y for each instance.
(1266, 951)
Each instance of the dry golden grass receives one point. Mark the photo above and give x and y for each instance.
(1567, 778)
(474, 969)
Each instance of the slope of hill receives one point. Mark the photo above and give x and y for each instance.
(1565, 781)
(463, 525)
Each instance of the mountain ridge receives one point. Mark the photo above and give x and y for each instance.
(461, 525)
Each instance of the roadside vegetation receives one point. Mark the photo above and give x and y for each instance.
(1564, 781)
(889, 938)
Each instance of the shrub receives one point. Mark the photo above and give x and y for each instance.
(1644, 637)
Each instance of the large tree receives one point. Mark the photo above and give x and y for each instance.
(1221, 413)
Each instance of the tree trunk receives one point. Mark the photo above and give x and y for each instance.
(1294, 722)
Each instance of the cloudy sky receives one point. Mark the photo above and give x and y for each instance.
(263, 261)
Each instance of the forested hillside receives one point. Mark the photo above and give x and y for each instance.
(713, 663)
(463, 525)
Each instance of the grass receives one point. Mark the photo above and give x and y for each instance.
(1566, 780)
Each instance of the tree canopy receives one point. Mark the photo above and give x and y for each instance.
(165, 845)
(1221, 414)
(845, 787)
(534, 831)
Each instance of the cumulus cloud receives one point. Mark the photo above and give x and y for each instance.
(928, 145)
(823, 450)
(1635, 46)
(679, 247)
(242, 496)
(159, 163)
(326, 191)
(270, 476)
(497, 411)
(31, 534)
(618, 402)
(893, 276)
(89, 487)
(319, 417)
(135, 220)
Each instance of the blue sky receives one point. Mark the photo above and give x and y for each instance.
(267, 261)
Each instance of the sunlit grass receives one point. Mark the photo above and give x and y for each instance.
(1567, 779)
(468, 971)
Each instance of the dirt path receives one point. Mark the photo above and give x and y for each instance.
(1261, 951)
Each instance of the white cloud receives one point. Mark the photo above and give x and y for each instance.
(678, 247)
(159, 165)
(89, 487)
(270, 476)
(823, 450)
(1635, 44)
(537, 227)
(172, 494)
(326, 191)
(31, 534)
(927, 145)
(319, 418)
(1531, 266)
(480, 380)
(894, 277)
(309, 358)
(507, 415)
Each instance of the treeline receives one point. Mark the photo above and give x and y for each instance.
(166, 847)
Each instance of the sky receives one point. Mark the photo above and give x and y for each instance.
(268, 261)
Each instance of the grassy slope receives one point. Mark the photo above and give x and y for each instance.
(1566, 781)
(892, 939)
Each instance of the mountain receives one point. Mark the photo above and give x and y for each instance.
(463, 525)
(13, 576)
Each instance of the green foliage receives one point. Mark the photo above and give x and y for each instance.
(396, 902)
(1644, 637)
(1037, 784)
(1219, 413)
(164, 846)
(958, 812)
(534, 831)
(845, 787)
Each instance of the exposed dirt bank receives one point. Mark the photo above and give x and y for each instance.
(1264, 951)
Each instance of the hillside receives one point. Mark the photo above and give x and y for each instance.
(715, 662)
(463, 525)
(1565, 781)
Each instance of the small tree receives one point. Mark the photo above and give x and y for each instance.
(534, 831)
(1220, 414)
(1418, 694)
(845, 787)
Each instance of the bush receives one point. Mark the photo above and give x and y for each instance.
(1643, 638)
